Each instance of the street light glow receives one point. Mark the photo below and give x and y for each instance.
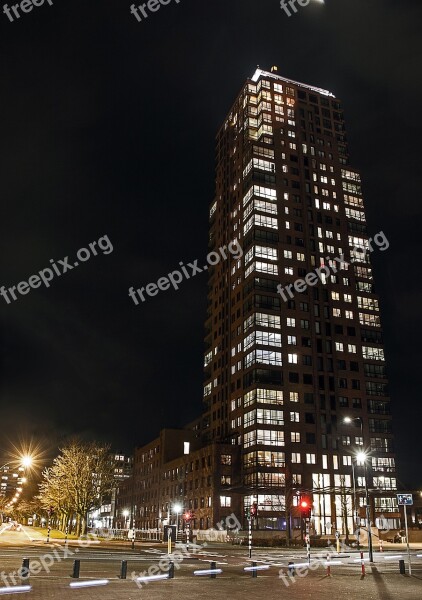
(26, 461)
(177, 507)
(347, 420)
(361, 457)
(125, 513)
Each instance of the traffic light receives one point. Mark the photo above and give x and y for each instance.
(188, 516)
(254, 510)
(305, 506)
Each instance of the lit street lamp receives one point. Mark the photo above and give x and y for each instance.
(177, 508)
(24, 461)
(125, 513)
(361, 458)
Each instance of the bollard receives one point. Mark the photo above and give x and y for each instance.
(381, 546)
(24, 572)
(213, 567)
(123, 569)
(363, 565)
(76, 569)
(254, 572)
(402, 568)
(171, 570)
(291, 569)
(328, 566)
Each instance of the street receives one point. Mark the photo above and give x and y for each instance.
(52, 564)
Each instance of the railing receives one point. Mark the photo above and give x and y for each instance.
(148, 535)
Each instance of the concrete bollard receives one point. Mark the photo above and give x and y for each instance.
(76, 569)
(362, 564)
(123, 569)
(254, 572)
(381, 546)
(291, 569)
(328, 566)
(402, 567)
(24, 571)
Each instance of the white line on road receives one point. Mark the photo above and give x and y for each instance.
(80, 584)
(19, 589)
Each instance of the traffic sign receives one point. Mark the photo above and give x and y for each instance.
(404, 499)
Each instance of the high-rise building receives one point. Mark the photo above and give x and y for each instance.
(294, 360)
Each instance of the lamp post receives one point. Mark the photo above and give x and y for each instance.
(357, 525)
(177, 508)
(361, 457)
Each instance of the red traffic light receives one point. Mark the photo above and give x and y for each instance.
(188, 515)
(254, 509)
(305, 506)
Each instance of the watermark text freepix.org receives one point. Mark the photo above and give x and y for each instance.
(57, 268)
(175, 278)
(44, 562)
(182, 551)
(25, 6)
(324, 271)
(141, 12)
(289, 6)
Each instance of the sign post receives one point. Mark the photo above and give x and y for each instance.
(187, 517)
(338, 541)
(406, 500)
(308, 547)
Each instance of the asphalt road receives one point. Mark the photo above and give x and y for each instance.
(51, 567)
(104, 559)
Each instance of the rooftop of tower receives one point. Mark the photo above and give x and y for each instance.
(259, 72)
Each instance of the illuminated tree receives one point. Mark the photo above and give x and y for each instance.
(75, 483)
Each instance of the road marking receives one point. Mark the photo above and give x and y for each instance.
(208, 572)
(19, 589)
(153, 577)
(80, 584)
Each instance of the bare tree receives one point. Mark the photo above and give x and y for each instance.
(344, 507)
(75, 483)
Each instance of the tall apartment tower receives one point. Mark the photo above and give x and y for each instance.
(296, 375)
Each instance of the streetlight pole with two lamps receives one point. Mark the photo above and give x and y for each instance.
(361, 458)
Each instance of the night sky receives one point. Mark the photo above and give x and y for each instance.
(108, 128)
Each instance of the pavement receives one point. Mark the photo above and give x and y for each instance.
(377, 587)
(52, 564)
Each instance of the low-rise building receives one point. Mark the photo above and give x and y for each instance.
(176, 473)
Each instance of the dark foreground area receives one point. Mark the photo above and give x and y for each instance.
(314, 585)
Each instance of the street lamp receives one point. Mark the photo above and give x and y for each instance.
(357, 526)
(349, 420)
(125, 513)
(26, 461)
(177, 508)
(361, 458)
(23, 461)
